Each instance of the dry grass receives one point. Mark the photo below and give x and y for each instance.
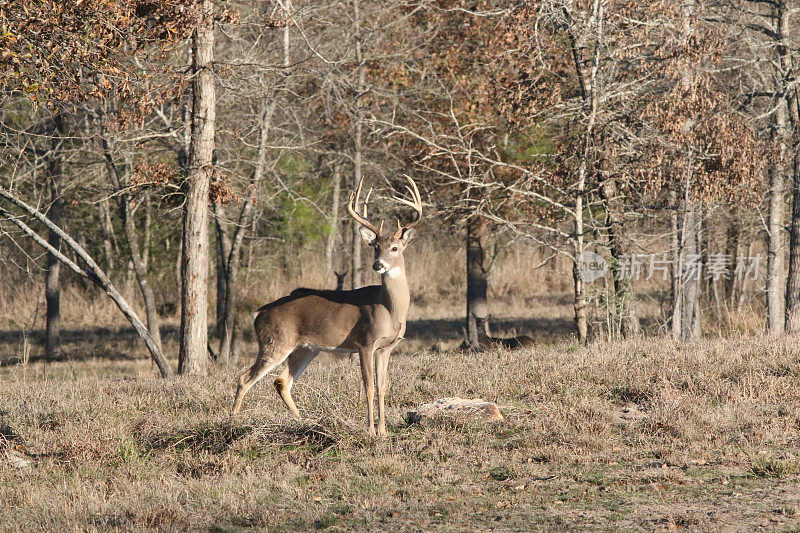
(644, 434)
(637, 435)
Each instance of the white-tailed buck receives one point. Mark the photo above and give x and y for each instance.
(369, 321)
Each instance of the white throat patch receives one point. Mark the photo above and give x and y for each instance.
(393, 272)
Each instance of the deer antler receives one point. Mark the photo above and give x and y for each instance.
(352, 208)
(415, 203)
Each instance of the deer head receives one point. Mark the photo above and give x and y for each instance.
(340, 277)
(388, 248)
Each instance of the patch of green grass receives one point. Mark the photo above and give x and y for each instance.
(501, 473)
(128, 453)
(327, 520)
(771, 466)
(600, 478)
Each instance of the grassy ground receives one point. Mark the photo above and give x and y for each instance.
(638, 435)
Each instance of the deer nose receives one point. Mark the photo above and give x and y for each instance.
(378, 265)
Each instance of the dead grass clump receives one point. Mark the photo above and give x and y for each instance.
(214, 437)
(631, 394)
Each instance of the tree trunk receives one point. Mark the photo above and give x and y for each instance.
(676, 258)
(109, 239)
(615, 226)
(330, 245)
(793, 281)
(178, 262)
(703, 246)
(226, 318)
(222, 247)
(357, 279)
(579, 301)
(687, 259)
(579, 305)
(684, 234)
(716, 285)
(477, 287)
(697, 330)
(744, 281)
(139, 268)
(588, 87)
(776, 280)
(731, 252)
(691, 274)
(193, 358)
(52, 287)
(130, 275)
(147, 231)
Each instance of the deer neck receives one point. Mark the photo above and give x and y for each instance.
(394, 292)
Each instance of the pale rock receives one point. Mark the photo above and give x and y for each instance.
(476, 408)
(17, 459)
(12, 449)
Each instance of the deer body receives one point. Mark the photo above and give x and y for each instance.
(369, 321)
(303, 319)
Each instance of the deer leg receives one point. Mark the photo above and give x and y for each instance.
(298, 361)
(382, 368)
(360, 384)
(368, 378)
(263, 365)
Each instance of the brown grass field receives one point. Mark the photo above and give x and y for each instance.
(640, 435)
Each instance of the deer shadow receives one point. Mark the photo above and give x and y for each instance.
(217, 437)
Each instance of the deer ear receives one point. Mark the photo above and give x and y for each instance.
(408, 236)
(368, 235)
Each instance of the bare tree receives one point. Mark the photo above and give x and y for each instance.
(232, 251)
(776, 273)
(793, 278)
(193, 357)
(137, 258)
(615, 209)
(356, 277)
(89, 270)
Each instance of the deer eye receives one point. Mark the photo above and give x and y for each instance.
(394, 248)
